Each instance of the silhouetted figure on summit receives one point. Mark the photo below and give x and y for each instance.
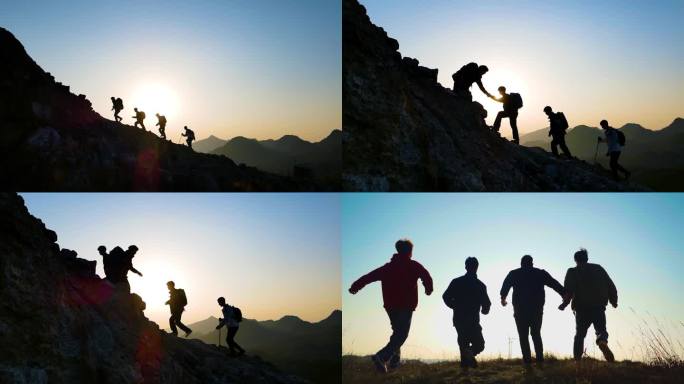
(615, 140)
(232, 316)
(117, 263)
(466, 76)
(590, 289)
(162, 125)
(467, 296)
(558, 124)
(117, 106)
(511, 104)
(399, 280)
(528, 304)
(189, 136)
(139, 117)
(177, 302)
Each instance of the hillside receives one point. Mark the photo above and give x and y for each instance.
(309, 350)
(654, 156)
(323, 158)
(52, 140)
(403, 131)
(359, 370)
(61, 323)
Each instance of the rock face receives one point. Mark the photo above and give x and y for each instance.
(52, 140)
(403, 131)
(60, 323)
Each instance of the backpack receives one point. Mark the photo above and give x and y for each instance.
(621, 138)
(515, 101)
(141, 114)
(238, 314)
(182, 299)
(191, 135)
(119, 103)
(562, 121)
(162, 119)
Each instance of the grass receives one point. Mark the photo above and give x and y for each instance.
(358, 369)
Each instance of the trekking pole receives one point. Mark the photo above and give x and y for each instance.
(219, 337)
(596, 152)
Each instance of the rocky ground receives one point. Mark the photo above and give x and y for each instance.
(61, 323)
(403, 131)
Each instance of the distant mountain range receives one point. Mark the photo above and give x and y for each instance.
(655, 158)
(310, 350)
(289, 155)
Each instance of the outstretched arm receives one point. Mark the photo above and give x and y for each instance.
(449, 296)
(612, 290)
(221, 323)
(486, 304)
(569, 289)
(135, 270)
(425, 277)
(482, 88)
(505, 287)
(552, 283)
(372, 276)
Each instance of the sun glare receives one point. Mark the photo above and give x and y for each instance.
(152, 286)
(156, 98)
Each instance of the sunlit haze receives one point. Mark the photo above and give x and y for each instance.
(270, 254)
(635, 237)
(258, 69)
(593, 60)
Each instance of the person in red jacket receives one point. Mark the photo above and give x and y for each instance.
(399, 280)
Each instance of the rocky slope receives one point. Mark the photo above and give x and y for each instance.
(52, 140)
(60, 323)
(403, 131)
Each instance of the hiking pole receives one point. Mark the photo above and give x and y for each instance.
(219, 337)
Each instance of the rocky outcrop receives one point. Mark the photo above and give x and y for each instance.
(61, 323)
(403, 131)
(52, 140)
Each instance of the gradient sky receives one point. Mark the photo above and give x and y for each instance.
(618, 60)
(636, 237)
(270, 254)
(253, 68)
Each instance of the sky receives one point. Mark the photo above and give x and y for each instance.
(258, 69)
(593, 60)
(270, 254)
(635, 237)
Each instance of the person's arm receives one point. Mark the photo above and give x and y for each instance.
(505, 287)
(569, 287)
(449, 295)
(135, 270)
(482, 88)
(222, 321)
(375, 275)
(552, 283)
(425, 277)
(486, 304)
(612, 290)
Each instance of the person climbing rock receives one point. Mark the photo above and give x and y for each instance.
(467, 297)
(511, 104)
(117, 106)
(615, 140)
(528, 285)
(590, 289)
(177, 302)
(232, 316)
(162, 125)
(189, 136)
(139, 117)
(399, 280)
(466, 76)
(117, 263)
(558, 125)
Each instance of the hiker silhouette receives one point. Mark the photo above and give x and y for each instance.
(511, 104)
(590, 289)
(117, 263)
(117, 106)
(139, 117)
(232, 316)
(177, 302)
(189, 136)
(399, 280)
(615, 140)
(467, 297)
(558, 125)
(528, 285)
(466, 76)
(162, 125)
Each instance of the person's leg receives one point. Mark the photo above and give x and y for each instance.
(582, 323)
(564, 147)
(614, 156)
(180, 324)
(523, 325)
(172, 324)
(497, 121)
(463, 345)
(535, 331)
(400, 321)
(599, 320)
(513, 119)
(234, 345)
(477, 341)
(554, 146)
(618, 167)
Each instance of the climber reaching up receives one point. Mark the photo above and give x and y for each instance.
(512, 102)
(189, 136)
(162, 125)
(466, 76)
(139, 117)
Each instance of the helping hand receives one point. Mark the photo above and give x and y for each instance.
(428, 292)
(503, 301)
(563, 305)
(353, 291)
(614, 304)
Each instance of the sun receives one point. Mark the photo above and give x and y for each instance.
(156, 98)
(152, 286)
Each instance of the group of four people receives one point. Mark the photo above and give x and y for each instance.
(587, 286)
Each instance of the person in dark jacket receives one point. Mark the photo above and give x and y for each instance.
(467, 297)
(466, 76)
(528, 304)
(177, 302)
(614, 149)
(399, 280)
(590, 289)
(231, 322)
(557, 130)
(117, 263)
(189, 135)
(509, 111)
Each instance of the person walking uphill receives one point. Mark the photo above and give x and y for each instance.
(139, 118)
(117, 106)
(467, 296)
(162, 125)
(558, 125)
(511, 104)
(615, 141)
(189, 136)
(466, 76)
(117, 263)
(232, 316)
(399, 280)
(590, 289)
(177, 302)
(528, 285)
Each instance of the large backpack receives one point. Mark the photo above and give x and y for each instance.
(515, 101)
(622, 140)
(182, 299)
(562, 121)
(237, 313)
(191, 135)
(162, 119)
(119, 103)
(141, 114)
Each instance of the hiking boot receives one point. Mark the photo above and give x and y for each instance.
(394, 362)
(466, 358)
(607, 353)
(380, 365)
(188, 333)
(174, 333)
